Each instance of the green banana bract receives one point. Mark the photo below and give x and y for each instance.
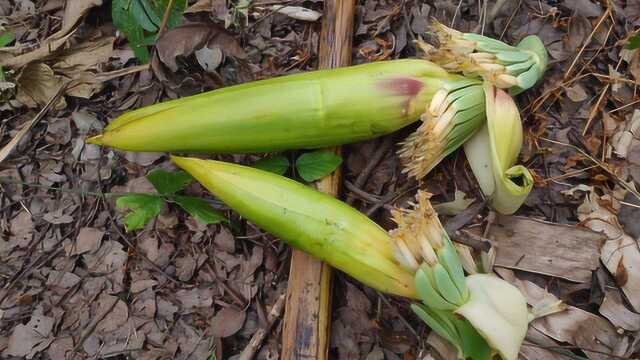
(493, 151)
(308, 220)
(307, 110)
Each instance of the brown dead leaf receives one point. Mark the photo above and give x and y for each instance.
(579, 30)
(576, 93)
(227, 322)
(614, 309)
(115, 317)
(37, 84)
(81, 62)
(73, 13)
(86, 122)
(22, 229)
(184, 40)
(583, 329)
(534, 345)
(27, 340)
(573, 325)
(620, 253)
(196, 298)
(88, 240)
(143, 158)
(558, 250)
(225, 240)
(586, 8)
(58, 217)
(356, 299)
(185, 267)
(62, 279)
(109, 262)
(59, 349)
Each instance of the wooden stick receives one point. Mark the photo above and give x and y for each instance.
(258, 337)
(307, 317)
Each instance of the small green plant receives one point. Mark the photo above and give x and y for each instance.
(310, 166)
(140, 21)
(141, 208)
(6, 37)
(634, 42)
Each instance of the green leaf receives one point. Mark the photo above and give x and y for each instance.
(175, 15)
(144, 15)
(125, 21)
(473, 344)
(200, 209)
(315, 165)
(169, 182)
(277, 164)
(634, 42)
(142, 208)
(6, 38)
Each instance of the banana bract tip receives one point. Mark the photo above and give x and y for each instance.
(96, 139)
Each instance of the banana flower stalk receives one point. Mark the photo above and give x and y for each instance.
(481, 315)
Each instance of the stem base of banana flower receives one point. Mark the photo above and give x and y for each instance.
(307, 110)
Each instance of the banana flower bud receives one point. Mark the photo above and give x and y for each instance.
(493, 151)
(508, 67)
(307, 110)
(309, 220)
(416, 260)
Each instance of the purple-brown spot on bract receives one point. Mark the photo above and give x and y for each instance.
(402, 86)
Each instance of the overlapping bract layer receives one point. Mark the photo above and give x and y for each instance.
(508, 67)
(454, 114)
(494, 150)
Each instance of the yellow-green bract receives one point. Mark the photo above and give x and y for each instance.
(308, 220)
(307, 110)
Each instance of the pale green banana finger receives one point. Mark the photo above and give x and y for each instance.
(427, 293)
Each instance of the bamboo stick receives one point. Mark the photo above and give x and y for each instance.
(308, 308)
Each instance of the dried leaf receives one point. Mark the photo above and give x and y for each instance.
(576, 93)
(37, 84)
(614, 309)
(57, 217)
(227, 322)
(455, 207)
(184, 40)
(297, 12)
(573, 325)
(565, 251)
(27, 340)
(116, 314)
(586, 8)
(73, 12)
(86, 122)
(185, 267)
(88, 240)
(620, 253)
(225, 240)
